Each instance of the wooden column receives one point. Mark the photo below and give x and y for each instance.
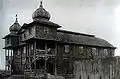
(14, 54)
(8, 59)
(34, 48)
(11, 60)
(5, 59)
(55, 58)
(30, 57)
(46, 52)
(26, 58)
(11, 54)
(21, 57)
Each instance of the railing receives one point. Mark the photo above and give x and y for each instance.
(39, 51)
(67, 76)
(18, 56)
(38, 71)
(49, 52)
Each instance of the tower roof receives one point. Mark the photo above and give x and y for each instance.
(15, 27)
(41, 13)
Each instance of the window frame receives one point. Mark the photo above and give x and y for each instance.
(46, 30)
(67, 48)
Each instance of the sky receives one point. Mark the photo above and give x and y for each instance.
(98, 17)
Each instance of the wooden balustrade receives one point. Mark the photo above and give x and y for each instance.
(67, 76)
(38, 51)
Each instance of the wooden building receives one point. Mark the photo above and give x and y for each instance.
(39, 47)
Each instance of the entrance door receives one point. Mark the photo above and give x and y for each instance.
(51, 66)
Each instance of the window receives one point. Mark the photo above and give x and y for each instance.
(46, 30)
(24, 51)
(94, 51)
(20, 38)
(67, 48)
(80, 49)
(105, 51)
(32, 47)
(30, 31)
(7, 40)
(24, 36)
(18, 52)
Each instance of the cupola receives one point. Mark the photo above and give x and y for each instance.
(41, 13)
(15, 27)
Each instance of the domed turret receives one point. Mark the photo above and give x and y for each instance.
(41, 13)
(15, 27)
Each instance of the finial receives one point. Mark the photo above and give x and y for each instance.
(41, 4)
(16, 19)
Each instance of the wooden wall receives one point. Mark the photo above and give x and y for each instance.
(88, 62)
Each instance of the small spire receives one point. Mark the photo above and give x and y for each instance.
(41, 4)
(16, 21)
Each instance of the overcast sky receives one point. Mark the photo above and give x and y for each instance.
(98, 17)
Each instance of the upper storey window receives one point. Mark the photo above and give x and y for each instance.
(46, 30)
(30, 31)
(20, 37)
(24, 50)
(67, 48)
(94, 51)
(7, 40)
(24, 35)
(105, 51)
(80, 49)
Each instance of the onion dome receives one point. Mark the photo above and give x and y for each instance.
(15, 27)
(41, 13)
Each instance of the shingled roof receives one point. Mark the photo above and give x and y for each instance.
(83, 39)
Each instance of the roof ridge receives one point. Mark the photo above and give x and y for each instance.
(76, 33)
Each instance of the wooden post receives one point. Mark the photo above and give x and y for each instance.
(5, 59)
(30, 58)
(21, 57)
(55, 58)
(34, 48)
(26, 58)
(45, 57)
(11, 61)
(8, 60)
(11, 54)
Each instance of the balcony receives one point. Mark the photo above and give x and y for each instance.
(50, 52)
